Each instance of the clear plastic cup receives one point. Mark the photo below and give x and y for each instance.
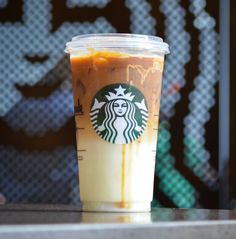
(117, 82)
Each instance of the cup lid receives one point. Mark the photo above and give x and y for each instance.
(117, 40)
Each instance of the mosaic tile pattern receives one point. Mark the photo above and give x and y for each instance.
(39, 176)
(202, 98)
(87, 3)
(50, 175)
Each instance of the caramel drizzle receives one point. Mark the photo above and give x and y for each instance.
(157, 65)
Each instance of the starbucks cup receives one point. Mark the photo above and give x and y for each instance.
(117, 82)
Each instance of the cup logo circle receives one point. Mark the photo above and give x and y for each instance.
(119, 113)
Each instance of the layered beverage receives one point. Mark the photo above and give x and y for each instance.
(116, 87)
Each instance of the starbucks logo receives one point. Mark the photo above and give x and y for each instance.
(119, 113)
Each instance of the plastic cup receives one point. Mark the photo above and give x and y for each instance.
(117, 82)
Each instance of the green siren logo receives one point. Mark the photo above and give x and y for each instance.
(119, 113)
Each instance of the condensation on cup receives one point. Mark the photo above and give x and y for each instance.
(117, 82)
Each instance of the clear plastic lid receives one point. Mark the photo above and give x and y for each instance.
(117, 41)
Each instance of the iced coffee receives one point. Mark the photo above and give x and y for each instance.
(116, 87)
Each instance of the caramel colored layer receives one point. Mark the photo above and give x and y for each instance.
(127, 165)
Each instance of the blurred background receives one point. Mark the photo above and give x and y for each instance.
(37, 130)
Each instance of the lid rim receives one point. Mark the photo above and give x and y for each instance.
(117, 40)
(119, 35)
